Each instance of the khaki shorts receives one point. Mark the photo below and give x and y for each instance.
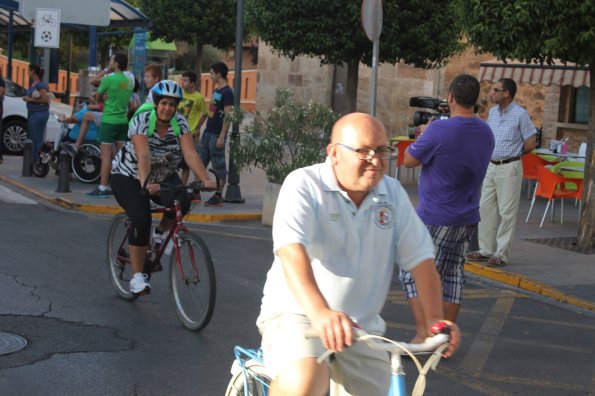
(357, 370)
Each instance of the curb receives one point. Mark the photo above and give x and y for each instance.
(105, 209)
(524, 283)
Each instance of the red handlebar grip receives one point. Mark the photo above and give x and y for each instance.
(440, 327)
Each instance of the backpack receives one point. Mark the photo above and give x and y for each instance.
(153, 119)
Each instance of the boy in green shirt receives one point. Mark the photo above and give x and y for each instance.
(115, 91)
(192, 107)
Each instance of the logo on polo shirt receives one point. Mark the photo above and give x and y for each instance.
(384, 215)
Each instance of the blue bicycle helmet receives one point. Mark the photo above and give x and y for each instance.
(166, 88)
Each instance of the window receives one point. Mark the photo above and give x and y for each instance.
(574, 105)
(581, 105)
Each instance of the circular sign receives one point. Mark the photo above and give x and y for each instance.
(372, 18)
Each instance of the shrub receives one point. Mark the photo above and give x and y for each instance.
(292, 135)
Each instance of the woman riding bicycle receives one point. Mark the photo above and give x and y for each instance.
(156, 137)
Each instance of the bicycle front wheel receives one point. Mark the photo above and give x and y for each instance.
(192, 281)
(258, 382)
(118, 259)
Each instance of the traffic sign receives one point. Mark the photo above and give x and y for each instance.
(372, 18)
(47, 28)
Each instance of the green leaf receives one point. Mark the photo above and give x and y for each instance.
(292, 135)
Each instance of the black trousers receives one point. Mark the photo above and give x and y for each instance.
(130, 196)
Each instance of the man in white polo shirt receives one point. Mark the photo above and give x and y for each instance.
(339, 229)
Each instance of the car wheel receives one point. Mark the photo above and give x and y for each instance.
(14, 133)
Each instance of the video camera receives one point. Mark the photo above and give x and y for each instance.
(423, 117)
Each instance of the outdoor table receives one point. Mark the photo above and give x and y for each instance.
(572, 168)
(543, 151)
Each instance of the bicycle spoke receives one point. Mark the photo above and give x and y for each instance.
(193, 295)
(118, 259)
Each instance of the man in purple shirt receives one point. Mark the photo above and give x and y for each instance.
(455, 154)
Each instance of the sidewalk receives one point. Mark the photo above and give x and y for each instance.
(560, 274)
(252, 185)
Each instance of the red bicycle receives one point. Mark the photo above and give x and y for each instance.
(191, 270)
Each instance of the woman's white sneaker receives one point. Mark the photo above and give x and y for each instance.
(139, 284)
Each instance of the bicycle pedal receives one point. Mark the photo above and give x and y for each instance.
(151, 267)
(143, 293)
(122, 257)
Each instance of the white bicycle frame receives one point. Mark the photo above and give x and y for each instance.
(435, 345)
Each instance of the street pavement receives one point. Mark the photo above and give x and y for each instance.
(561, 275)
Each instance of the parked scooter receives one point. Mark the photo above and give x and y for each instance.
(86, 165)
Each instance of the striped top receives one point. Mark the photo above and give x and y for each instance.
(511, 128)
(125, 163)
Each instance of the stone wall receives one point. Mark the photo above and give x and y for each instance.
(304, 76)
(396, 84)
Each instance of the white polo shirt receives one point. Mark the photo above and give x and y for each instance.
(353, 250)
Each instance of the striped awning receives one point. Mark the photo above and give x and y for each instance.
(557, 74)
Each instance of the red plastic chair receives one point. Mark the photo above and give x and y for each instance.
(530, 164)
(550, 186)
(401, 146)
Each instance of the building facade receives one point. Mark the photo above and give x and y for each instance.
(552, 104)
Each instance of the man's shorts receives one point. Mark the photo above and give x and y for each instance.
(449, 244)
(209, 153)
(358, 370)
(112, 133)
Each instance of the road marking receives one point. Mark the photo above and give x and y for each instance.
(473, 383)
(471, 294)
(534, 382)
(9, 196)
(479, 351)
(228, 234)
(556, 322)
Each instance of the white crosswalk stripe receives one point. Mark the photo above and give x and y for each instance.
(9, 196)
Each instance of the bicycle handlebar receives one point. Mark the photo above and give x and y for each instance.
(195, 186)
(429, 345)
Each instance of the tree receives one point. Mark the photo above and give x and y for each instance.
(197, 22)
(416, 32)
(542, 31)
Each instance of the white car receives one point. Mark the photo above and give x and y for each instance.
(14, 119)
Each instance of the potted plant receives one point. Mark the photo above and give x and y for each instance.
(292, 135)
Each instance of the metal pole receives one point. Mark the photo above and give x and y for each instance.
(374, 81)
(92, 46)
(46, 65)
(68, 84)
(64, 161)
(233, 194)
(27, 158)
(10, 44)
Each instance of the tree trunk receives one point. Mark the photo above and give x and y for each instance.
(586, 226)
(198, 64)
(351, 89)
(345, 80)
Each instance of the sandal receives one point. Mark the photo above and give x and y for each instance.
(476, 256)
(495, 261)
